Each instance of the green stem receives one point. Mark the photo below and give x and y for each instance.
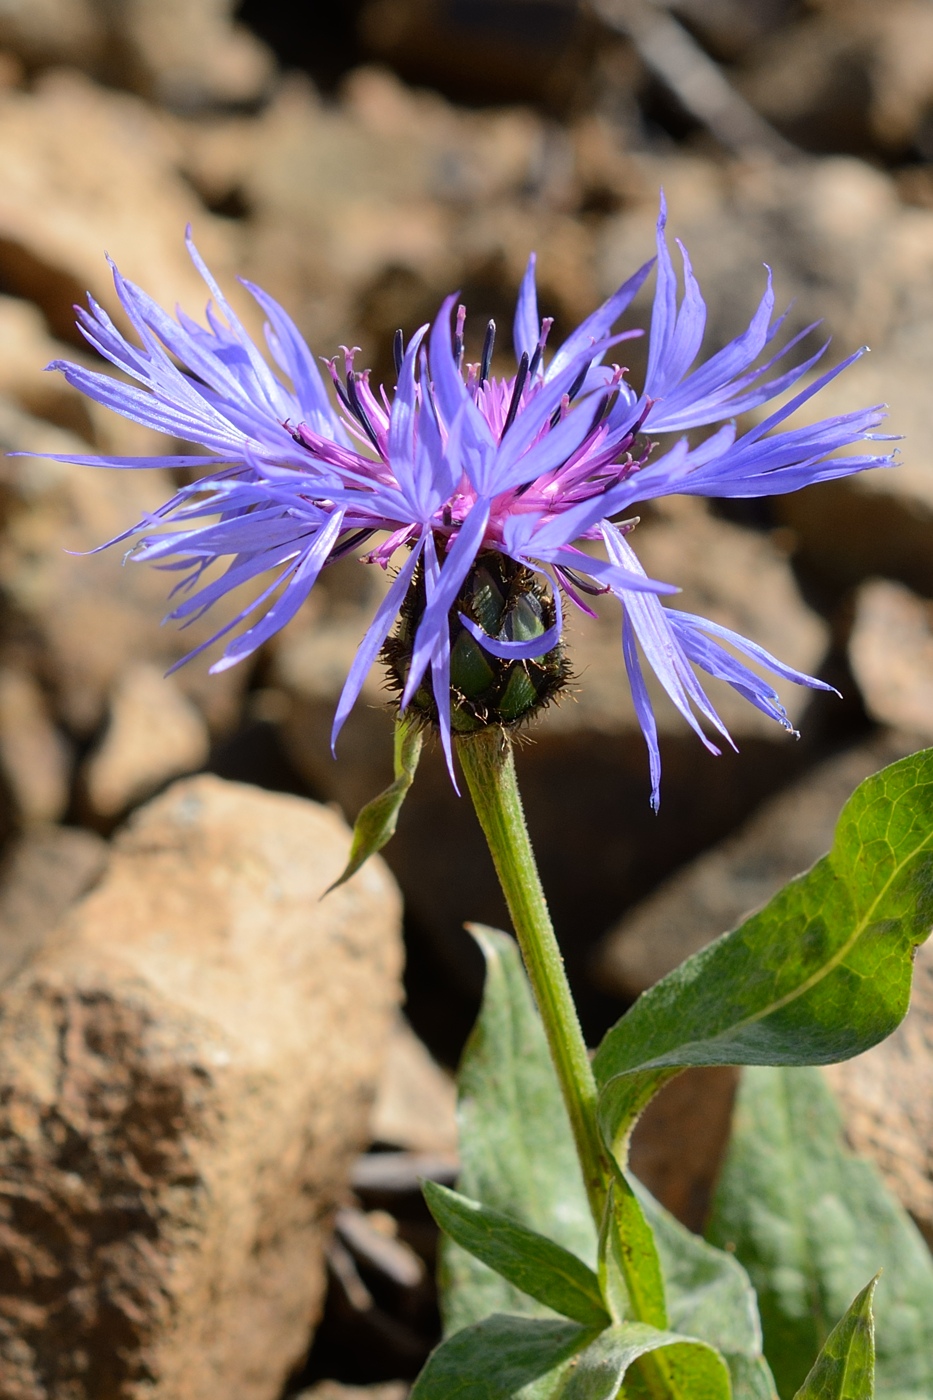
(489, 767)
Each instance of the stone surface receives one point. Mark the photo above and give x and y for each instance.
(34, 756)
(85, 619)
(879, 522)
(190, 1062)
(188, 53)
(43, 872)
(891, 654)
(154, 733)
(84, 171)
(713, 893)
(887, 1100)
(416, 1107)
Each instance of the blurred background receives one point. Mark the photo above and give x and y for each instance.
(360, 161)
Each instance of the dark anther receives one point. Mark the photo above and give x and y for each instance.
(585, 585)
(348, 543)
(488, 344)
(520, 378)
(398, 351)
(536, 359)
(458, 336)
(359, 412)
(447, 515)
(570, 395)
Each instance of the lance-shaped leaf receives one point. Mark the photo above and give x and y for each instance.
(845, 1368)
(810, 1222)
(820, 974)
(495, 1358)
(518, 1156)
(516, 1146)
(539, 1267)
(375, 825)
(684, 1367)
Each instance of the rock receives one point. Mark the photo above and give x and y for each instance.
(53, 31)
(190, 1062)
(416, 1107)
(88, 618)
(887, 1100)
(878, 522)
(43, 872)
(891, 654)
(718, 889)
(155, 733)
(824, 227)
(34, 757)
(84, 171)
(333, 1390)
(189, 53)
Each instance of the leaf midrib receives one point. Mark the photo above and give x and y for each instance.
(802, 987)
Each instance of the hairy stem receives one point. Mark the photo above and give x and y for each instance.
(489, 768)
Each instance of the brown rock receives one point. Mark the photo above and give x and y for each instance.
(34, 757)
(84, 171)
(43, 873)
(879, 522)
(891, 653)
(716, 891)
(416, 1107)
(53, 31)
(155, 733)
(887, 1100)
(88, 618)
(189, 53)
(189, 1064)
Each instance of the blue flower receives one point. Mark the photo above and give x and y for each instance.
(455, 464)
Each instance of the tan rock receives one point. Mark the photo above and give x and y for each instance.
(190, 1063)
(879, 522)
(416, 1107)
(34, 757)
(891, 653)
(887, 1100)
(717, 890)
(91, 617)
(189, 53)
(155, 733)
(44, 871)
(84, 171)
(53, 31)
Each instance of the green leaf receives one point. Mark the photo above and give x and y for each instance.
(539, 1267)
(845, 1368)
(516, 1147)
(689, 1368)
(709, 1295)
(376, 822)
(810, 1221)
(820, 974)
(629, 1265)
(494, 1359)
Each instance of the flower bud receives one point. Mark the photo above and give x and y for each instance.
(511, 604)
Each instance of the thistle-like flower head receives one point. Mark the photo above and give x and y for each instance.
(486, 488)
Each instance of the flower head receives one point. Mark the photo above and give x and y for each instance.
(470, 477)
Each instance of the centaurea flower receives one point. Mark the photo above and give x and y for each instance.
(478, 482)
